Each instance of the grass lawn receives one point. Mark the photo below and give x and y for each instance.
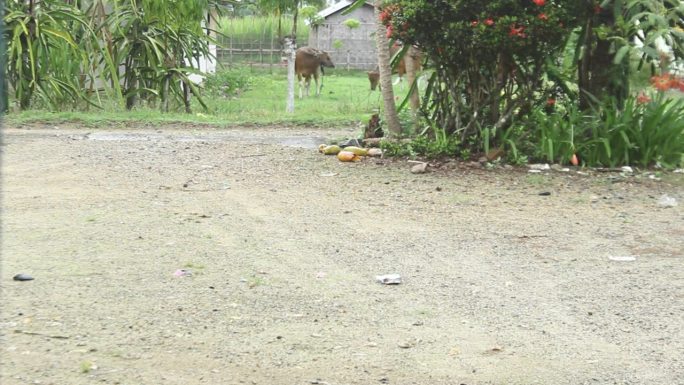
(345, 99)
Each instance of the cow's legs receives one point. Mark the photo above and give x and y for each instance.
(307, 85)
(304, 83)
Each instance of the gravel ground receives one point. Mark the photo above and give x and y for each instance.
(501, 285)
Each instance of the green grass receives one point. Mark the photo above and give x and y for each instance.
(258, 29)
(345, 99)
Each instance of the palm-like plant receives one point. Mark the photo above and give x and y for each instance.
(156, 42)
(44, 60)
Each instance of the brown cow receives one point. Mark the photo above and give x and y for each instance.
(309, 62)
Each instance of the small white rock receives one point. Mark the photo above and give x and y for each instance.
(539, 166)
(627, 258)
(667, 201)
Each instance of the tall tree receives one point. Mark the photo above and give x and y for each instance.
(385, 69)
(412, 63)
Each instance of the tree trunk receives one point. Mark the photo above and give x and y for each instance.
(411, 62)
(598, 76)
(391, 116)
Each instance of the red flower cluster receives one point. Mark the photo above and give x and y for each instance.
(542, 16)
(386, 14)
(667, 82)
(519, 31)
(642, 98)
(539, 2)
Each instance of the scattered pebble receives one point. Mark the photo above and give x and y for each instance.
(667, 201)
(627, 258)
(22, 277)
(420, 168)
(539, 166)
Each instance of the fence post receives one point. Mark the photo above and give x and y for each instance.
(290, 53)
(230, 50)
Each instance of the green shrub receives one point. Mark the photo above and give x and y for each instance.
(228, 83)
(642, 132)
(433, 143)
(645, 133)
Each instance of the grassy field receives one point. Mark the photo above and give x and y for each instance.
(345, 99)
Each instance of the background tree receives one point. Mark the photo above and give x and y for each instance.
(385, 69)
(612, 32)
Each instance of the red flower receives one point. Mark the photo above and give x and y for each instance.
(550, 102)
(489, 22)
(643, 98)
(516, 31)
(385, 17)
(542, 16)
(474, 23)
(539, 2)
(677, 83)
(662, 83)
(389, 31)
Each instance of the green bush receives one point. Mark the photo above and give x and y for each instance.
(642, 132)
(228, 83)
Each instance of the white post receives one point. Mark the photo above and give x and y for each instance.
(290, 53)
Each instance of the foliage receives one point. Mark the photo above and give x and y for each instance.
(640, 131)
(155, 43)
(422, 145)
(614, 31)
(554, 132)
(643, 133)
(310, 14)
(228, 83)
(352, 23)
(59, 54)
(257, 29)
(489, 57)
(45, 59)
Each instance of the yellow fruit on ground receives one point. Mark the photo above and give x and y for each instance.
(347, 156)
(331, 150)
(357, 150)
(322, 147)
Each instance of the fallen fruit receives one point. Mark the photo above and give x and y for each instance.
(321, 147)
(331, 150)
(357, 150)
(346, 156)
(573, 160)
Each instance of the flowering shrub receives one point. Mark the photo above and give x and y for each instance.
(490, 55)
(666, 82)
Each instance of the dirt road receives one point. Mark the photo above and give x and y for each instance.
(501, 285)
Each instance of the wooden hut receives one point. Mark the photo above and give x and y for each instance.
(351, 48)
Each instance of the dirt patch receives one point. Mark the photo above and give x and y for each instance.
(501, 285)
